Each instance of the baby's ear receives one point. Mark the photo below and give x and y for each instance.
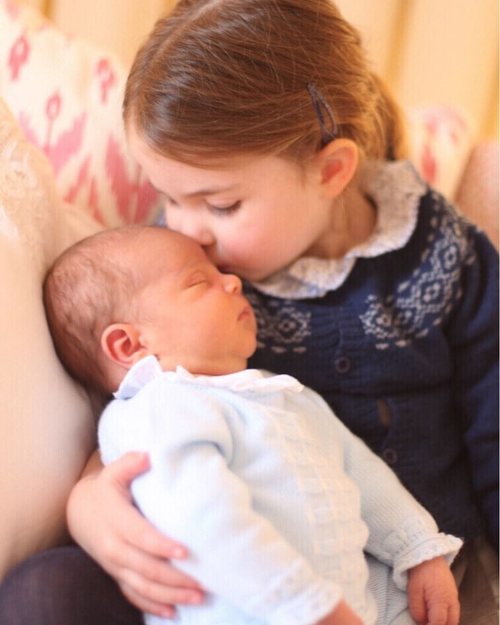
(122, 345)
(337, 163)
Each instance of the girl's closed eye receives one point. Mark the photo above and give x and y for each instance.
(224, 210)
(165, 197)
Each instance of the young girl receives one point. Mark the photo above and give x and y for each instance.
(277, 149)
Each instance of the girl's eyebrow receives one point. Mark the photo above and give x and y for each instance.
(198, 192)
(210, 191)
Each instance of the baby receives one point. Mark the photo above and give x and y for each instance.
(276, 500)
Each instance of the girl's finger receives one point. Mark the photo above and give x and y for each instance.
(137, 532)
(154, 593)
(155, 570)
(145, 605)
(124, 470)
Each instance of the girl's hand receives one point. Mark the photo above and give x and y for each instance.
(103, 520)
(342, 615)
(433, 594)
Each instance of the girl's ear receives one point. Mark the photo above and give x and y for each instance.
(122, 344)
(337, 163)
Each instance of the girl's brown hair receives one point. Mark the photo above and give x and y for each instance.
(217, 77)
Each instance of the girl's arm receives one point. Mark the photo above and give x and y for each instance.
(103, 520)
(342, 615)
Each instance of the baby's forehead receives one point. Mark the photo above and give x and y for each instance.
(173, 245)
(168, 252)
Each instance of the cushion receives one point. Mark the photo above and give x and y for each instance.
(66, 94)
(440, 140)
(46, 424)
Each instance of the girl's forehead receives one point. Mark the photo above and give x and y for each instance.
(209, 176)
(146, 154)
(241, 174)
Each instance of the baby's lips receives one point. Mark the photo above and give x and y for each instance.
(245, 313)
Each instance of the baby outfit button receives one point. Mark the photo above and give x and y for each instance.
(342, 364)
(390, 455)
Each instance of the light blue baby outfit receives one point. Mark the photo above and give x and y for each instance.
(274, 497)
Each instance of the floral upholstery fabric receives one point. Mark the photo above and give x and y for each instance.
(66, 94)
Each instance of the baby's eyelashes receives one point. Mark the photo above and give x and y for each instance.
(197, 282)
(195, 278)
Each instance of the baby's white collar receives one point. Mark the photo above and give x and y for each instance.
(396, 189)
(249, 380)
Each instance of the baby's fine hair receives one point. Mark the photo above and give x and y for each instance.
(218, 77)
(87, 288)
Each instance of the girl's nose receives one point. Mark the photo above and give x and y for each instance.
(232, 284)
(193, 227)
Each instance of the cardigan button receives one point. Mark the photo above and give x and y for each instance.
(390, 455)
(342, 364)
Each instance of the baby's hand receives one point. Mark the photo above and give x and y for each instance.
(433, 594)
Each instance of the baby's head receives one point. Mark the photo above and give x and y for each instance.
(124, 294)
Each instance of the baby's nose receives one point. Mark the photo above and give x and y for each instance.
(232, 284)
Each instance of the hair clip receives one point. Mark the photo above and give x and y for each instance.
(320, 106)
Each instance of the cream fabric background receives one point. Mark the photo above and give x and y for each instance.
(430, 51)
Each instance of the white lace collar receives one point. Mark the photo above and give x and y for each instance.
(396, 189)
(248, 380)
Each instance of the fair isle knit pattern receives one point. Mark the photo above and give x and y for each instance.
(428, 297)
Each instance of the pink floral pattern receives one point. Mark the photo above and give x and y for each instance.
(440, 141)
(18, 56)
(75, 118)
(106, 77)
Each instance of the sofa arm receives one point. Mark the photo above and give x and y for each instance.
(478, 193)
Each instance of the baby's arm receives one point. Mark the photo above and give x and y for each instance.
(405, 536)
(191, 493)
(401, 532)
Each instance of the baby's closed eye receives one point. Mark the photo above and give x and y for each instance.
(197, 279)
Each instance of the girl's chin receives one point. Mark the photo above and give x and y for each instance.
(250, 275)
